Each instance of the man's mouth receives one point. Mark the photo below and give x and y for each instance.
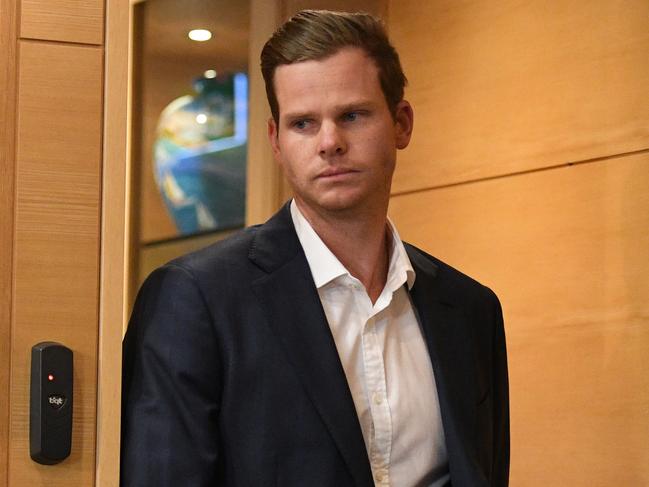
(336, 172)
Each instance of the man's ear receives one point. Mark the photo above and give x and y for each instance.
(273, 135)
(404, 121)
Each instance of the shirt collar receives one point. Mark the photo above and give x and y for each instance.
(325, 266)
(400, 270)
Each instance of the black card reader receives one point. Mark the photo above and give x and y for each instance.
(50, 414)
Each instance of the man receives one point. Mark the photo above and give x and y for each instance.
(318, 349)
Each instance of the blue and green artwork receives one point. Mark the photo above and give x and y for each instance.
(200, 155)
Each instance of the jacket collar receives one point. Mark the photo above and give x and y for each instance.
(450, 345)
(275, 242)
(296, 316)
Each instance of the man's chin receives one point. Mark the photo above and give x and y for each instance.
(338, 204)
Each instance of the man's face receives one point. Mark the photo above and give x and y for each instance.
(336, 139)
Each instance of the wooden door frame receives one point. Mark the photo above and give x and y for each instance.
(8, 66)
(113, 287)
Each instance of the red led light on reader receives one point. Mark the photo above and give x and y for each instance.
(50, 377)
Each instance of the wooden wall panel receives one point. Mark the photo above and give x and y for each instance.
(8, 26)
(263, 177)
(114, 242)
(503, 87)
(79, 21)
(567, 251)
(57, 242)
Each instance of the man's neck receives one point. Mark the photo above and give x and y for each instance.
(359, 240)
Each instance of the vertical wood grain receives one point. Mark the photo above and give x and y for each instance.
(135, 151)
(567, 251)
(57, 243)
(7, 168)
(114, 242)
(263, 176)
(80, 21)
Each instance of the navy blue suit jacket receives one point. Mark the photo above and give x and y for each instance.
(231, 374)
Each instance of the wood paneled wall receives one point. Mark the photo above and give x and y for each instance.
(53, 107)
(529, 170)
(8, 29)
(113, 283)
(58, 167)
(79, 21)
(512, 86)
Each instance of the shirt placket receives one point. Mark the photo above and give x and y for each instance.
(374, 367)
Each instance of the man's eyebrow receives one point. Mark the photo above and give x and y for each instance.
(297, 115)
(342, 108)
(355, 105)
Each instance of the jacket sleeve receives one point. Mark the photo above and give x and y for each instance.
(170, 386)
(500, 467)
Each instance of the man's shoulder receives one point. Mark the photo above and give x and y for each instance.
(454, 283)
(220, 269)
(243, 256)
(230, 252)
(263, 246)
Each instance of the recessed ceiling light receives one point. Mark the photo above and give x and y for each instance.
(209, 74)
(200, 35)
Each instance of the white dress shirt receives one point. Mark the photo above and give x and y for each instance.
(386, 363)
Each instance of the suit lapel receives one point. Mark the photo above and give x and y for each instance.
(450, 347)
(294, 312)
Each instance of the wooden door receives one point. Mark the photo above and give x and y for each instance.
(62, 148)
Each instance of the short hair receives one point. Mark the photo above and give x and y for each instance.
(317, 34)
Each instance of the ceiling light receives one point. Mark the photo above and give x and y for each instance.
(201, 118)
(200, 35)
(209, 74)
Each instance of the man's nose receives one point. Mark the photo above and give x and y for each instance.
(331, 140)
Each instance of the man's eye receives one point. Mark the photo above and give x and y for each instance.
(301, 124)
(350, 116)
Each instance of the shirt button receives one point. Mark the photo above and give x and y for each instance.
(377, 398)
